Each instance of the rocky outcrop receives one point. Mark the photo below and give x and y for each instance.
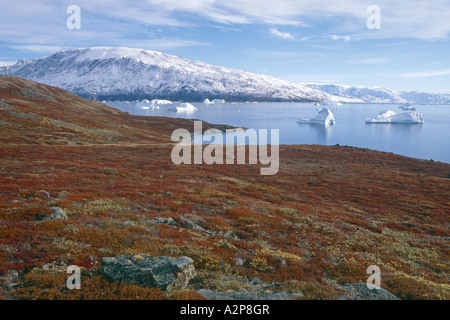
(183, 222)
(252, 289)
(11, 277)
(189, 224)
(8, 282)
(58, 214)
(43, 195)
(360, 291)
(268, 295)
(162, 272)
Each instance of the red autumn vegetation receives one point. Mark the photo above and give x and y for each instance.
(329, 213)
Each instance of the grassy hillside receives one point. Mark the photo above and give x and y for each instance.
(328, 214)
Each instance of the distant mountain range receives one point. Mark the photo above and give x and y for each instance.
(105, 73)
(380, 94)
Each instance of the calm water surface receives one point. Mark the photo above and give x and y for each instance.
(430, 140)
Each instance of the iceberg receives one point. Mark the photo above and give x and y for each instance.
(389, 116)
(325, 116)
(146, 104)
(206, 101)
(154, 104)
(184, 107)
(407, 106)
(161, 101)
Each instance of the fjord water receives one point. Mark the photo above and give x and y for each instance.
(430, 140)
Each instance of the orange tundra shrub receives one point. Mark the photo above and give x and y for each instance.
(52, 286)
(216, 224)
(186, 295)
(408, 288)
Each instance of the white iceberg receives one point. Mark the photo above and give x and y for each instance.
(161, 101)
(154, 104)
(407, 106)
(146, 104)
(184, 107)
(206, 101)
(325, 116)
(389, 116)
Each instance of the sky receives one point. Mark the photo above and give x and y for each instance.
(403, 44)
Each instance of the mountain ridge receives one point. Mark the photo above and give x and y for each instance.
(373, 94)
(120, 73)
(129, 74)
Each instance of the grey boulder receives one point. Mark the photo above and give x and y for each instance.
(360, 291)
(161, 272)
(58, 214)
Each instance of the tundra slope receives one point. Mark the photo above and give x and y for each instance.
(315, 227)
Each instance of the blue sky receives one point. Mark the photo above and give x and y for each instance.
(304, 41)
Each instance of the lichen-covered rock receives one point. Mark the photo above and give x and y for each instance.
(233, 288)
(44, 195)
(268, 295)
(159, 220)
(360, 291)
(162, 272)
(58, 214)
(11, 277)
(8, 282)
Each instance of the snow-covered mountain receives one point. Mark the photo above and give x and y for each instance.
(130, 74)
(425, 98)
(380, 94)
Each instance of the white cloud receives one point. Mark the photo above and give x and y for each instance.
(336, 37)
(286, 54)
(284, 35)
(7, 63)
(376, 60)
(426, 74)
(318, 79)
(38, 48)
(42, 22)
(400, 18)
(160, 44)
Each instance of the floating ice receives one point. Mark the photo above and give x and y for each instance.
(325, 116)
(161, 101)
(389, 116)
(184, 107)
(154, 104)
(407, 106)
